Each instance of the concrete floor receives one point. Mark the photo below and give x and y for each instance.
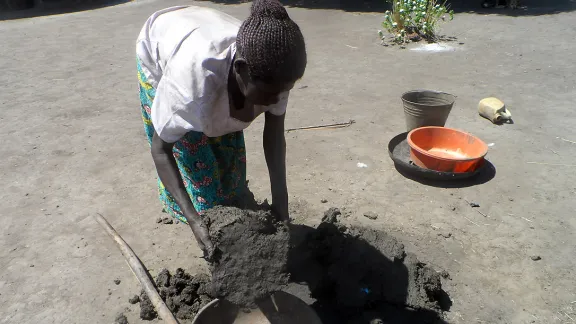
(73, 145)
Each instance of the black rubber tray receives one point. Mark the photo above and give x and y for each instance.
(399, 151)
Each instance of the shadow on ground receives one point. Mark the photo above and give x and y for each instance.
(487, 173)
(530, 7)
(19, 9)
(352, 281)
(527, 7)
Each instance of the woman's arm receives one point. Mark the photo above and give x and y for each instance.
(170, 176)
(275, 152)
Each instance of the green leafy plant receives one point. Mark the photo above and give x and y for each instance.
(415, 19)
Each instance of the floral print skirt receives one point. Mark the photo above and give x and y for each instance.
(213, 168)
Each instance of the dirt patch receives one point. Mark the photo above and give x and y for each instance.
(252, 254)
(147, 311)
(183, 293)
(121, 319)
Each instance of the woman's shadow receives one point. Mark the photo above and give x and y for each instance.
(38, 8)
(363, 276)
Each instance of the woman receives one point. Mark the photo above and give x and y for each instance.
(204, 77)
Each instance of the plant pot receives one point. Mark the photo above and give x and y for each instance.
(426, 108)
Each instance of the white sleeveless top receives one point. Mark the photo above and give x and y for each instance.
(186, 53)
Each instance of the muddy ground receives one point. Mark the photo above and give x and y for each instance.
(183, 293)
(348, 274)
(73, 145)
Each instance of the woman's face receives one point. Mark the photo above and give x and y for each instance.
(264, 94)
(258, 92)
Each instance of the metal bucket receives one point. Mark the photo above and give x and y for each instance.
(426, 108)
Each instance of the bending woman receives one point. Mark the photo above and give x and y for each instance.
(204, 77)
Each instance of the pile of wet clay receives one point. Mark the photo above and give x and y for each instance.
(251, 254)
(183, 294)
(250, 263)
(361, 275)
(347, 274)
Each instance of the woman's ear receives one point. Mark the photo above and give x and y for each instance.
(241, 67)
(242, 75)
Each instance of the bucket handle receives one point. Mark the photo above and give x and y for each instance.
(437, 91)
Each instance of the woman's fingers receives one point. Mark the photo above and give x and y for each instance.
(208, 251)
(203, 238)
(281, 213)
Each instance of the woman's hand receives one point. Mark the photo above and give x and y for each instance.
(281, 212)
(170, 176)
(275, 152)
(200, 231)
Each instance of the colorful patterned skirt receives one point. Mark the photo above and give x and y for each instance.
(213, 168)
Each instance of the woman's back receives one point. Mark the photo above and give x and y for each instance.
(186, 31)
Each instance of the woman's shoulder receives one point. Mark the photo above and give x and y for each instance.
(171, 26)
(195, 47)
(200, 67)
(194, 18)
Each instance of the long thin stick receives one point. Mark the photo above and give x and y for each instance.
(139, 271)
(553, 164)
(569, 316)
(567, 140)
(337, 125)
(481, 213)
(471, 221)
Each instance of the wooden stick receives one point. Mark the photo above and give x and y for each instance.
(471, 221)
(481, 213)
(139, 271)
(553, 164)
(337, 125)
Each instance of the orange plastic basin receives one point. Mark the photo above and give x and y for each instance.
(446, 149)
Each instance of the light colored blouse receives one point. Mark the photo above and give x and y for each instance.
(186, 53)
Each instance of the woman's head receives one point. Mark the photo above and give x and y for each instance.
(271, 54)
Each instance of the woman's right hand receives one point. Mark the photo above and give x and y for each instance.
(200, 231)
(169, 174)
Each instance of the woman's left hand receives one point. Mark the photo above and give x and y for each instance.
(275, 152)
(203, 238)
(281, 212)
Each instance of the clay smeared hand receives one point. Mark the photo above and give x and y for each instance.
(281, 212)
(170, 176)
(200, 231)
(275, 153)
